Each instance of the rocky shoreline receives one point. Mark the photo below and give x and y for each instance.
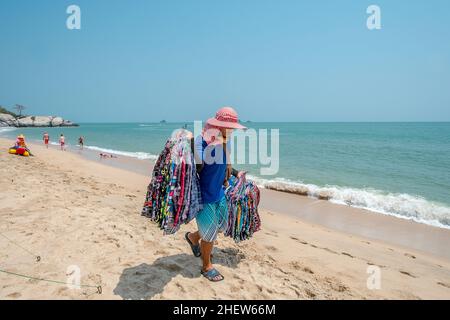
(7, 120)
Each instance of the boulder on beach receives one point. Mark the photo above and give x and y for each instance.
(25, 122)
(324, 195)
(67, 123)
(42, 121)
(7, 120)
(57, 121)
(283, 187)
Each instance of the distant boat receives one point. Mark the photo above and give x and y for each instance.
(163, 121)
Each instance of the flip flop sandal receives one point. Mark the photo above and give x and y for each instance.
(195, 248)
(212, 274)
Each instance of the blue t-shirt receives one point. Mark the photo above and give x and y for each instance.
(213, 172)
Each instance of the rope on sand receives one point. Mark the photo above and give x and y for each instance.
(99, 288)
(38, 258)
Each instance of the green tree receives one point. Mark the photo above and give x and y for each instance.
(4, 110)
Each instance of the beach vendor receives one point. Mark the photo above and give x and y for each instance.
(211, 150)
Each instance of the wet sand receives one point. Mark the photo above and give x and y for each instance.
(361, 222)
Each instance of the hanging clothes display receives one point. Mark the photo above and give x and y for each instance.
(173, 195)
(243, 199)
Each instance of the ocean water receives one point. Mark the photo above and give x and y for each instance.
(400, 169)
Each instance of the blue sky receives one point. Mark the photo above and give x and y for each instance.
(272, 60)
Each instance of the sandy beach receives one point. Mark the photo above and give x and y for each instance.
(74, 211)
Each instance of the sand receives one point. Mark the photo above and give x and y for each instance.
(71, 211)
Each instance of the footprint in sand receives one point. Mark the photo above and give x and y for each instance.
(407, 274)
(347, 254)
(162, 252)
(271, 248)
(330, 251)
(14, 295)
(410, 255)
(298, 266)
(369, 263)
(446, 285)
(298, 240)
(310, 294)
(273, 234)
(308, 270)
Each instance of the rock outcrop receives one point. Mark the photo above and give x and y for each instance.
(7, 120)
(57, 121)
(300, 190)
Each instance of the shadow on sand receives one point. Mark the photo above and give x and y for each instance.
(145, 281)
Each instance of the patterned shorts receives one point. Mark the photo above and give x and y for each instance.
(212, 220)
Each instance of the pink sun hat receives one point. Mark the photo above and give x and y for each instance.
(226, 117)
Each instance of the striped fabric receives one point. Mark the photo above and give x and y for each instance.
(212, 219)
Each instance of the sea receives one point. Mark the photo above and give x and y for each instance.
(398, 169)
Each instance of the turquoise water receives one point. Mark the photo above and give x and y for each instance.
(402, 169)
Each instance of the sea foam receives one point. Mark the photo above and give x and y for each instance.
(402, 206)
(6, 129)
(138, 155)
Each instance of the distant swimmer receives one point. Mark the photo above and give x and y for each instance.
(62, 142)
(105, 155)
(81, 142)
(46, 139)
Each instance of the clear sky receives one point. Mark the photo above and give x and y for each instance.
(296, 60)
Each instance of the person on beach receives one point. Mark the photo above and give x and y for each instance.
(211, 150)
(62, 142)
(81, 142)
(46, 139)
(20, 143)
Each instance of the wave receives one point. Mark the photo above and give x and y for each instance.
(7, 129)
(138, 155)
(402, 206)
